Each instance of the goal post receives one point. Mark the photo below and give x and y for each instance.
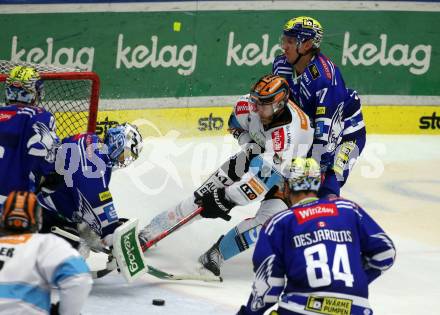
(71, 95)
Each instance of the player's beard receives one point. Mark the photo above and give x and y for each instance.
(266, 115)
(266, 120)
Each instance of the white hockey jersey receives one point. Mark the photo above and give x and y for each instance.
(31, 265)
(289, 136)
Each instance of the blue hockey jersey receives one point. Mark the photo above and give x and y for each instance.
(85, 194)
(318, 257)
(334, 110)
(28, 145)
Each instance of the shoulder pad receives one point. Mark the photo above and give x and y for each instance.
(343, 200)
(304, 121)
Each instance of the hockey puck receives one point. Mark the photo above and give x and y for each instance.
(158, 302)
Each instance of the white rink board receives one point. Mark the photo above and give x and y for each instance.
(404, 199)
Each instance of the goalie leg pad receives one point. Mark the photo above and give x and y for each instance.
(128, 252)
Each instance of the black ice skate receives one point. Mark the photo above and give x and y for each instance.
(212, 259)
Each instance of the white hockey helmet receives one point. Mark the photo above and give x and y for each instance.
(124, 143)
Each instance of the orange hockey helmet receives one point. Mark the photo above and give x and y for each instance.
(21, 213)
(270, 90)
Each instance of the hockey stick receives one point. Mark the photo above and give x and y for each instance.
(160, 274)
(169, 276)
(157, 272)
(176, 226)
(96, 274)
(75, 238)
(63, 233)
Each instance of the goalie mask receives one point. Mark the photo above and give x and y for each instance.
(304, 175)
(24, 85)
(269, 95)
(21, 213)
(124, 143)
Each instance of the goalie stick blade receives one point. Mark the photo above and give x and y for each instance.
(111, 265)
(160, 274)
(97, 274)
(169, 276)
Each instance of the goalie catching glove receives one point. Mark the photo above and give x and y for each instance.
(216, 205)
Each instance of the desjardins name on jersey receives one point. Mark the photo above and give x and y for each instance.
(306, 239)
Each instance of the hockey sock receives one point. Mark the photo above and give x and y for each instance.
(233, 243)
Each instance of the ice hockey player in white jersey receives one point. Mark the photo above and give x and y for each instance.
(270, 129)
(31, 264)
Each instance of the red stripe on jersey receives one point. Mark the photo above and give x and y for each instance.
(278, 137)
(326, 68)
(242, 107)
(310, 213)
(6, 115)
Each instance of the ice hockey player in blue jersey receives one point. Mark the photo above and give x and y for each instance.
(27, 133)
(86, 164)
(317, 86)
(319, 256)
(34, 265)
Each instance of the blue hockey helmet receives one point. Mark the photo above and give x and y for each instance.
(124, 143)
(304, 28)
(24, 85)
(304, 174)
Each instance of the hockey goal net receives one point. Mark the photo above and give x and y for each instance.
(70, 95)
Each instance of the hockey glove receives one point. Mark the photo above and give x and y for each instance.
(216, 205)
(50, 183)
(90, 237)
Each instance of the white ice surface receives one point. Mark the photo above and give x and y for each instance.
(397, 181)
